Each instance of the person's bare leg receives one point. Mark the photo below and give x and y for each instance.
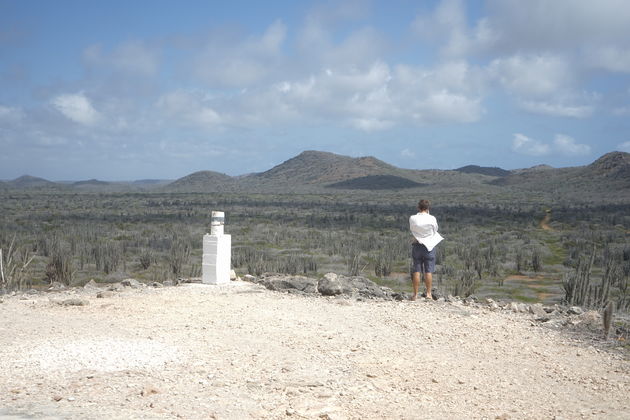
(415, 281)
(428, 280)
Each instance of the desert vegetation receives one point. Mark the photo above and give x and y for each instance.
(494, 247)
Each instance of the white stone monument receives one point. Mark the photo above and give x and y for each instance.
(217, 252)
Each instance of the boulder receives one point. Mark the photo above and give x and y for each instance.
(133, 283)
(74, 302)
(575, 310)
(329, 285)
(91, 285)
(537, 310)
(288, 283)
(56, 286)
(233, 275)
(156, 284)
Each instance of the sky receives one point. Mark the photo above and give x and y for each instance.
(158, 89)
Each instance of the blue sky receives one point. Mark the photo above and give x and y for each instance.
(122, 90)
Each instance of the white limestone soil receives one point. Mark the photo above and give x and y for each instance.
(238, 351)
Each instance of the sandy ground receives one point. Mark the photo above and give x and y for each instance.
(239, 351)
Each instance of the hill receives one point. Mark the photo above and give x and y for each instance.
(312, 167)
(608, 174)
(376, 182)
(483, 170)
(28, 181)
(202, 181)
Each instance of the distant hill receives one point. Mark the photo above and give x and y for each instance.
(312, 167)
(202, 181)
(28, 181)
(151, 182)
(608, 174)
(90, 182)
(376, 182)
(614, 165)
(607, 179)
(483, 170)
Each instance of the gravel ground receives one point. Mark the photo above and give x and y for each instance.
(239, 351)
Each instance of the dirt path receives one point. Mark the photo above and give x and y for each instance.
(238, 351)
(544, 223)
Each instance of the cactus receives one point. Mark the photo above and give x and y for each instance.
(608, 315)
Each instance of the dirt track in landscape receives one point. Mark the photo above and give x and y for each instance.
(239, 351)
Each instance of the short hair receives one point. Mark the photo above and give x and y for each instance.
(424, 205)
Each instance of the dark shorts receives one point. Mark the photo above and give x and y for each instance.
(423, 261)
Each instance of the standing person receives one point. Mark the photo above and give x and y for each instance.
(424, 228)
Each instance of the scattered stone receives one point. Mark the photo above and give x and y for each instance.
(329, 285)
(133, 283)
(233, 275)
(104, 294)
(157, 284)
(168, 283)
(91, 285)
(289, 411)
(115, 287)
(149, 390)
(512, 306)
(57, 398)
(537, 310)
(56, 286)
(575, 310)
(74, 302)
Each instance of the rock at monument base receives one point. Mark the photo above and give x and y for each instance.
(329, 285)
(133, 283)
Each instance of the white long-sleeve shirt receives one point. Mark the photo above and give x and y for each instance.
(424, 228)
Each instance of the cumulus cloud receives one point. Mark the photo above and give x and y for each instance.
(448, 23)
(134, 58)
(76, 107)
(624, 147)
(622, 111)
(223, 62)
(532, 75)
(557, 109)
(562, 144)
(407, 153)
(10, 114)
(528, 146)
(567, 146)
(189, 108)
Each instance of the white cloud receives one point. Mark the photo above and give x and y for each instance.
(77, 107)
(245, 63)
(130, 58)
(190, 108)
(611, 58)
(528, 146)
(622, 111)
(532, 75)
(10, 114)
(562, 144)
(624, 147)
(566, 145)
(448, 23)
(557, 109)
(408, 154)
